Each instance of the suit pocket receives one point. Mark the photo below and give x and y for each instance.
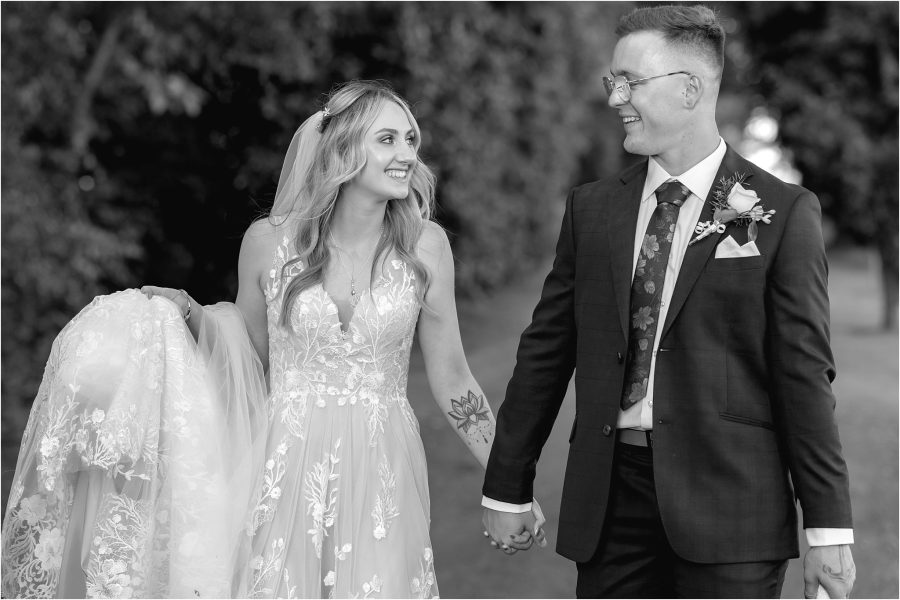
(736, 264)
(746, 421)
(746, 399)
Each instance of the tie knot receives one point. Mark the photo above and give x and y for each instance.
(672, 192)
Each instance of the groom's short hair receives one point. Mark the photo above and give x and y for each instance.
(694, 28)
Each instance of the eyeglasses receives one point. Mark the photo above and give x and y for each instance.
(619, 84)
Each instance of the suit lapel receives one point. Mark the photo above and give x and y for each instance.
(623, 210)
(696, 256)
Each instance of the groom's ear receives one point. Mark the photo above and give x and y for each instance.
(693, 91)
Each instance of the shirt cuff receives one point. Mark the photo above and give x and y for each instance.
(504, 506)
(826, 536)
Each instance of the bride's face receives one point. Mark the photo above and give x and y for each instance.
(390, 156)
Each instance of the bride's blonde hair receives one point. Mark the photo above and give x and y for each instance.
(340, 155)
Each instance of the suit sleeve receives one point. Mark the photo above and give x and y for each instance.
(802, 368)
(544, 364)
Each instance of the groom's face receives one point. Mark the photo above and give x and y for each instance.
(654, 118)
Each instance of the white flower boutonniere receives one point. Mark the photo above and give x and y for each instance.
(733, 202)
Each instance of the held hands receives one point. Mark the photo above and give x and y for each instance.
(830, 567)
(512, 532)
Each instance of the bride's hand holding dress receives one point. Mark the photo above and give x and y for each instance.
(253, 261)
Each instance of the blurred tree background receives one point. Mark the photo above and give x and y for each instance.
(828, 73)
(139, 140)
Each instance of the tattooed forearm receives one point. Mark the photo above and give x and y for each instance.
(474, 420)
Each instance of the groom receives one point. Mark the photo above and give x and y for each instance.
(702, 369)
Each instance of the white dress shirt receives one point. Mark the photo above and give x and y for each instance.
(699, 179)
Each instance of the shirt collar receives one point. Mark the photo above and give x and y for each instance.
(699, 178)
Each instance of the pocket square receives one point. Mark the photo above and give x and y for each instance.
(729, 248)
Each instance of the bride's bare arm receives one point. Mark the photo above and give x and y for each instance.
(253, 270)
(455, 390)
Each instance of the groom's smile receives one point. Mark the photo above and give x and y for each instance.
(651, 101)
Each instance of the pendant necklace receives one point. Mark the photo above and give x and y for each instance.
(354, 296)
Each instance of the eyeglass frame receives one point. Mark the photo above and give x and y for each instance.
(610, 83)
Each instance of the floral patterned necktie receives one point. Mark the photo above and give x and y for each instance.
(647, 287)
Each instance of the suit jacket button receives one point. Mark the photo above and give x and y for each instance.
(607, 430)
(619, 357)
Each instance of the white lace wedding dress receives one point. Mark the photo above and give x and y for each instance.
(343, 509)
(156, 466)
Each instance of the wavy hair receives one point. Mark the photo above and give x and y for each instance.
(340, 155)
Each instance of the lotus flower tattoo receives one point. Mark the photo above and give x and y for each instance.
(468, 410)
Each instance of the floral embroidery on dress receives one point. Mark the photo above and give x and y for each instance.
(49, 548)
(420, 586)
(111, 581)
(33, 534)
(291, 590)
(342, 552)
(269, 492)
(385, 508)
(322, 497)
(117, 551)
(264, 569)
(373, 586)
(377, 415)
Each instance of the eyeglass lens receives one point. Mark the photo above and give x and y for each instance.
(619, 84)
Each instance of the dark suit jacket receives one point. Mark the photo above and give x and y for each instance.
(742, 393)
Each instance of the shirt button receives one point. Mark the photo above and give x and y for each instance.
(650, 403)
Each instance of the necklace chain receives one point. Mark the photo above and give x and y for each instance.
(354, 298)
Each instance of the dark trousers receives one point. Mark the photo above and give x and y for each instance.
(634, 558)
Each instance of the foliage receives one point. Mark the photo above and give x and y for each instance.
(505, 91)
(60, 245)
(829, 70)
(140, 139)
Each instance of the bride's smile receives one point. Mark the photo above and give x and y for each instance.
(391, 144)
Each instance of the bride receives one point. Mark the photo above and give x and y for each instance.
(267, 448)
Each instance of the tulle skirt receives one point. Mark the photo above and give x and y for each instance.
(342, 513)
(139, 459)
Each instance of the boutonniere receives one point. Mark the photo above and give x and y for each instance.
(733, 202)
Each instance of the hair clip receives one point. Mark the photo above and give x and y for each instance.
(326, 113)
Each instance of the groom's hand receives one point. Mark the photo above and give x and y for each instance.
(512, 532)
(508, 531)
(831, 567)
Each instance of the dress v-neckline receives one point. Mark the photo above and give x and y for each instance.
(337, 310)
